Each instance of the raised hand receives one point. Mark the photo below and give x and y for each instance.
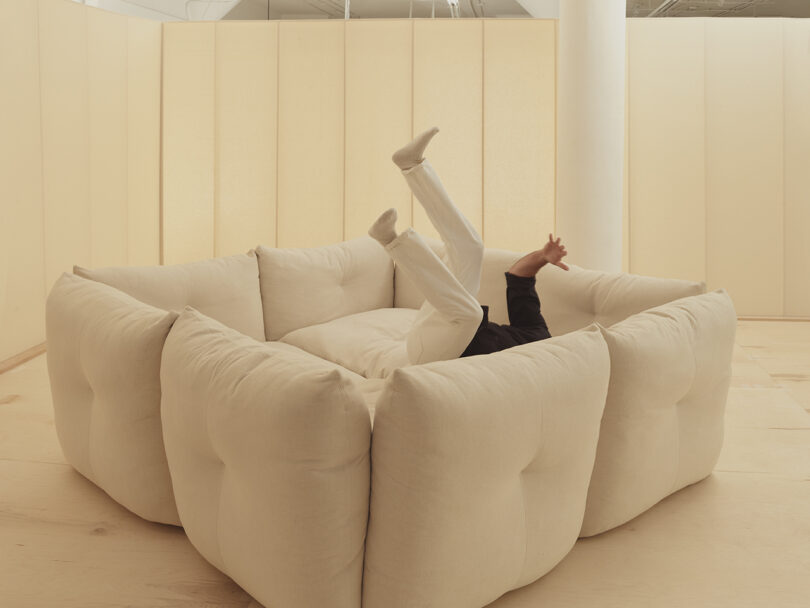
(554, 252)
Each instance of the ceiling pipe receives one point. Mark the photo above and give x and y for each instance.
(663, 8)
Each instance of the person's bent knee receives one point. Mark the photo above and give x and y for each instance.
(440, 339)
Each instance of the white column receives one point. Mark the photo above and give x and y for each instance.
(590, 131)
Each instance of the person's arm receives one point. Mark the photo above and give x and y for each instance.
(530, 264)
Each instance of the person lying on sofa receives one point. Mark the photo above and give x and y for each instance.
(451, 323)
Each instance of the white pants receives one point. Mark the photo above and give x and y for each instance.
(450, 314)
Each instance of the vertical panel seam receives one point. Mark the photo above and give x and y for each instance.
(413, 96)
(161, 259)
(278, 124)
(88, 157)
(483, 118)
(126, 144)
(784, 306)
(215, 151)
(42, 155)
(345, 25)
(705, 154)
(628, 155)
(556, 117)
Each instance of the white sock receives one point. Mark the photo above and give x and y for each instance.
(410, 155)
(383, 229)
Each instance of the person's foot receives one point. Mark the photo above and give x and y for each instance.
(383, 229)
(411, 155)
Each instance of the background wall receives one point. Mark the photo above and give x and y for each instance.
(719, 150)
(79, 151)
(281, 133)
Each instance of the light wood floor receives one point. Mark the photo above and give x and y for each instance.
(740, 538)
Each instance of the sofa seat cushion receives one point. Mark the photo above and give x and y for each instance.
(225, 289)
(662, 429)
(305, 286)
(370, 343)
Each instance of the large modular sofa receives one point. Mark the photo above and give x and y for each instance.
(264, 402)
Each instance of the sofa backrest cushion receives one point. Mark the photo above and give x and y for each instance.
(103, 355)
(268, 448)
(305, 286)
(480, 469)
(226, 288)
(663, 423)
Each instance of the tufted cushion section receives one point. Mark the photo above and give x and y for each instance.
(268, 448)
(370, 343)
(663, 423)
(306, 286)
(226, 288)
(480, 471)
(103, 354)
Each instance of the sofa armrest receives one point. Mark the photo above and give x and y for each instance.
(268, 448)
(662, 427)
(575, 298)
(480, 469)
(103, 354)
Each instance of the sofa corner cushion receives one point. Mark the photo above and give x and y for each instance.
(480, 469)
(268, 448)
(103, 355)
(225, 288)
(662, 427)
(306, 286)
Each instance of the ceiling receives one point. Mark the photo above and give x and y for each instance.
(211, 10)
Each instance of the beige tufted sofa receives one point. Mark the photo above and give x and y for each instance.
(264, 402)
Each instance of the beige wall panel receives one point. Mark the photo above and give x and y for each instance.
(65, 136)
(188, 142)
(797, 167)
(378, 120)
(246, 113)
(107, 69)
(22, 267)
(667, 179)
(448, 93)
(519, 133)
(744, 159)
(143, 141)
(310, 133)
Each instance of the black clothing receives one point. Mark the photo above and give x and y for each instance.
(526, 324)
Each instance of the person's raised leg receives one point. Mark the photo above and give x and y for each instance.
(465, 250)
(450, 315)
